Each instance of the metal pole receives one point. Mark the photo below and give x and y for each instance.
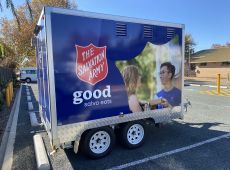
(189, 60)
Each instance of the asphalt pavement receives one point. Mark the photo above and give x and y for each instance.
(208, 118)
(24, 155)
(196, 142)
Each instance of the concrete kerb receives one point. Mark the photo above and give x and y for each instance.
(40, 153)
(7, 145)
(28, 98)
(30, 106)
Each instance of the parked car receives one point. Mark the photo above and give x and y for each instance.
(28, 74)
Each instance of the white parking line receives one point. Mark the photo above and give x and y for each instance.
(30, 106)
(213, 86)
(170, 152)
(28, 98)
(191, 89)
(33, 119)
(197, 85)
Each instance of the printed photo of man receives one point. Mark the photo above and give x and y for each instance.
(169, 94)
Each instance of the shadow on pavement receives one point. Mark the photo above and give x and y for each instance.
(158, 140)
(199, 82)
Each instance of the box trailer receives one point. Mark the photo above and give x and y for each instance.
(100, 74)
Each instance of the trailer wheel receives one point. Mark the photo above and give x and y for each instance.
(97, 143)
(132, 134)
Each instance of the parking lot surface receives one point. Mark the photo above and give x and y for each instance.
(199, 141)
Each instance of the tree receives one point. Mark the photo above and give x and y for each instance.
(4, 52)
(37, 5)
(189, 49)
(189, 46)
(10, 5)
(19, 41)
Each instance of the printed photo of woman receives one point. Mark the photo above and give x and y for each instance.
(131, 78)
(132, 81)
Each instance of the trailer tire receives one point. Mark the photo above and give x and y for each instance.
(132, 134)
(97, 143)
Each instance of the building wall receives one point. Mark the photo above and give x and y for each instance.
(212, 69)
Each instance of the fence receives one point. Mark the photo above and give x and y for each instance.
(6, 75)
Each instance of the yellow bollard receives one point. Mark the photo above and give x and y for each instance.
(218, 84)
(11, 91)
(8, 96)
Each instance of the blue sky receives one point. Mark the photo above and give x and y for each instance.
(208, 21)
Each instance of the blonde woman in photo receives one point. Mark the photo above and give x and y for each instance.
(132, 80)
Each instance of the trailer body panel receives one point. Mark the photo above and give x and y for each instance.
(80, 60)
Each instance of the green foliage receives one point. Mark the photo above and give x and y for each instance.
(3, 84)
(16, 43)
(189, 45)
(175, 40)
(1, 51)
(146, 64)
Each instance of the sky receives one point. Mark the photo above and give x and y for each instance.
(208, 21)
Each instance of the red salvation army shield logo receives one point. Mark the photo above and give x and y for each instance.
(91, 63)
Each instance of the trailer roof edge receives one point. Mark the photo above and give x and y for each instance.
(111, 17)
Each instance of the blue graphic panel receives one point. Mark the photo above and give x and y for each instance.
(69, 31)
(43, 72)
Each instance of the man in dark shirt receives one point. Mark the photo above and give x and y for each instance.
(171, 96)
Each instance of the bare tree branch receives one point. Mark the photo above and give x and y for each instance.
(1, 8)
(29, 8)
